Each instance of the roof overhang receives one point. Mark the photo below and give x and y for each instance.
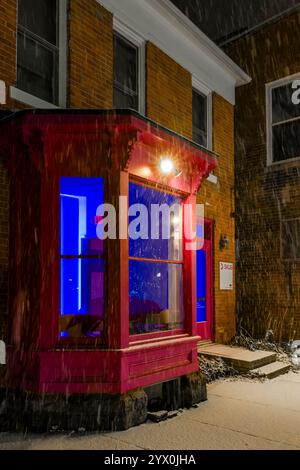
(163, 24)
(138, 144)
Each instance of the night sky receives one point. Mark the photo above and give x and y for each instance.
(223, 19)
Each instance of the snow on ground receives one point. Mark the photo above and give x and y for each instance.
(240, 414)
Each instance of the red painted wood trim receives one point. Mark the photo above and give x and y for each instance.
(154, 260)
(159, 335)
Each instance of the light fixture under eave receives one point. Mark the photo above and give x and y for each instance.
(166, 166)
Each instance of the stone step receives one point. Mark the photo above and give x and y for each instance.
(270, 371)
(241, 359)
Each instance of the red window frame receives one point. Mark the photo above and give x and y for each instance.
(141, 338)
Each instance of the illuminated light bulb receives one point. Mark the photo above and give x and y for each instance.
(166, 166)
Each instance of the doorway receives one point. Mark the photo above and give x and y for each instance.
(204, 314)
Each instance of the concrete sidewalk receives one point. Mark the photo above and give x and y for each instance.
(239, 414)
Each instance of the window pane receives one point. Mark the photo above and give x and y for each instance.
(79, 200)
(291, 239)
(124, 100)
(162, 232)
(125, 64)
(39, 17)
(286, 141)
(155, 296)
(81, 297)
(200, 137)
(282, 105)
(37, 67)
(199, 118)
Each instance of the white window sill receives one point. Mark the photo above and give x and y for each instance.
(287, 162)
(30, 100)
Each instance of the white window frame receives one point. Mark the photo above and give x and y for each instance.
(269, 113)
(34, 101)
(198, 86)
(138, 41)
(281, 240)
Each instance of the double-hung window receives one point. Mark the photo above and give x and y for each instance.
(155, 261)
(126, 73)
(283, 122)
(40, 51)
(201, 119)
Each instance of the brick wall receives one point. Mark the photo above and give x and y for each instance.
(8, 18)
(268, 287)
(90, 55)
(8, 75)
(219, 207)
(168, 92)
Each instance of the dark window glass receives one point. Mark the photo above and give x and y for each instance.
(291, 239)
(37, 51)
(39, 17)
(126, 88)
(286, 141)
(283, 108)
(81, 252)
(155, 287)
(200, 118)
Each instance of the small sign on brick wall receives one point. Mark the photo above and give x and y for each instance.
(226, 276)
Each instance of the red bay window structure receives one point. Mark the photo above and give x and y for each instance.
(86, 315)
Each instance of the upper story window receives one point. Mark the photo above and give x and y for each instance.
(126, 73)
(39, 49)
(201, 119)
(283, 122)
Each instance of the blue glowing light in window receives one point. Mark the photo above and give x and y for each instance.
(82, 265)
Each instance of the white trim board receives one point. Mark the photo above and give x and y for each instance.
(30, 100)
(160, 22)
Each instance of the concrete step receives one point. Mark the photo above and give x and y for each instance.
(270, 371)
(241, 359)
